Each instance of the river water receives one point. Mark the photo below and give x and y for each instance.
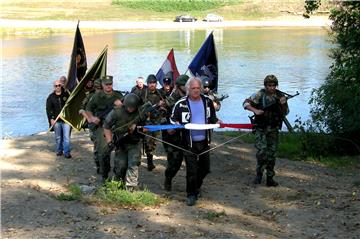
(297, 56)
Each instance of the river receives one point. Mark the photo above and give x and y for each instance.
(297, 56)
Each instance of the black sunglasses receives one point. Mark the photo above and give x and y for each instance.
(57, 85)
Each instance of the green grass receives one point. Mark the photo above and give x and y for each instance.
(74, 194)
(145, 10)
(298, 146)
(340, 161)
(113, 193)
(247, 138)
(174, 5)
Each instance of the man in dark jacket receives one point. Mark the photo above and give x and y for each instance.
(198, 109)
(54, 104)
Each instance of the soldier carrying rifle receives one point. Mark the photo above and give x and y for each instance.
(270, 107)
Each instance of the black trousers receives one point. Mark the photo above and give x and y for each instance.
(197, 167)
(174, 155)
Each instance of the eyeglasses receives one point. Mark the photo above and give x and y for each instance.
(57, 85)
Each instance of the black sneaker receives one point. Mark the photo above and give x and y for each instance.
(59, 153)
(271, 182)
(68, 156)
(191, 200)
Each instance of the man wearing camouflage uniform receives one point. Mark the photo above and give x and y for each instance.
(154, 97)
(269, 106)
(121, 134)
(98, 107)
(82, 111)
(174, 155)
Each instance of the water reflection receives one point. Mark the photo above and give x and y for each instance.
(299, 57)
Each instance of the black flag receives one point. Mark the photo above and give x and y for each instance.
(70, 112)
(78, 63)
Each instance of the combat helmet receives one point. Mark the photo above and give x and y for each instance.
(181, 80)
(151, 79)
(206, 82)
(270, 79)
(131, 101)
(97, 83)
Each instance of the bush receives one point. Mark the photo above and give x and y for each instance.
(335, 105)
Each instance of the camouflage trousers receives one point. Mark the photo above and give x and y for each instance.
(150, 143)
(103, 155)
(95, 149)
(126, 164)
(266, 143)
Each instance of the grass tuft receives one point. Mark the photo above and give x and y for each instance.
(74, 194)
(114, 193)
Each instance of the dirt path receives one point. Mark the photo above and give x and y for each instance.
(311, 202)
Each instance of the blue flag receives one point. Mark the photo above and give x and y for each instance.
(204, 64)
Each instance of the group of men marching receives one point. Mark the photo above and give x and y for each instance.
(115, 122)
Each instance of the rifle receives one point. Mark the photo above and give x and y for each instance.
(101, 116)
(222, 97)
(153, 112)
(284, 119)
(217, 101)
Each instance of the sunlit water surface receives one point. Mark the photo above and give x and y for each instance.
(298, 57)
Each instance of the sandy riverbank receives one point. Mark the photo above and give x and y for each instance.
(312, 201)
(162, 25)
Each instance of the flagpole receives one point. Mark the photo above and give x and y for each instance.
(52, 126)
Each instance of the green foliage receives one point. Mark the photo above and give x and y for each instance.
(311, 6)
(174, 5)
(114, 193)
(74, 194)
(289, 146)
(335, 105)
(245, 137)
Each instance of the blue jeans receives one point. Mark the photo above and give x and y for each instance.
(62, 137)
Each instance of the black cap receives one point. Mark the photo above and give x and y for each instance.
(167, 81)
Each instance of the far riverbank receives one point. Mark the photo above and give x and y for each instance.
(19, 27)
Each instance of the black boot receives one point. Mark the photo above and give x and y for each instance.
(270, 182)
(167, 184)
(150, 164)
(258, 178)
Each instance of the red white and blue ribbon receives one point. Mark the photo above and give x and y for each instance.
(191, 126)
